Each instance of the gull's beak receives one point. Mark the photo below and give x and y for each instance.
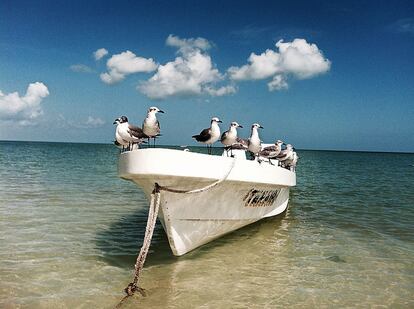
(116, 121)
(240, 126)
(220, 121)
(160, 111)
(260, 127)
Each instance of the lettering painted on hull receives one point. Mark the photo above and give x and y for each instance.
(260, 198)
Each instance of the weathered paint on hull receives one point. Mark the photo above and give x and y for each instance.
(194, 220)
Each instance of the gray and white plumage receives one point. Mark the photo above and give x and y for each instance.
(241, 143)
(210, 135)
(126, 133)
(151, 125)
(285, 154)
(229, 137)
(273, 151)
(119, 141)
(292, 161)
(254, 143)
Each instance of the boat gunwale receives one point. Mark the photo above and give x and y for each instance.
(129, 168)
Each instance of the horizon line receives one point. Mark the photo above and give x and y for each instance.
(305, 149)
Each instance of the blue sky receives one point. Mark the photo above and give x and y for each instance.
(344, 81)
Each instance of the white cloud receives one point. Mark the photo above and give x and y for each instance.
(302, 59)
(81, 68)
(100, 53)
(191, 73)
(261, 66)
(221, 91)
(126, 63)
(23, 109)
(297, 58)
(89, 123)
(277, 83)
(188, 45)
(185, 75)
(94, 122)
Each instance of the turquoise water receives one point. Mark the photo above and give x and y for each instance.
(70, 230)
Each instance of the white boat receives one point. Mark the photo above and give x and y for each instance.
(247, 191)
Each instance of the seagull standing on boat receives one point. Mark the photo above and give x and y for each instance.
(210, 135)
(119, 141)
(229, 137)
(127, 134)
(151, 125)
(241, 144)
(253, 143)
(292, 161)
(271, 152)
(285, 154)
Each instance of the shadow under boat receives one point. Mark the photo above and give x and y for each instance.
(121, 242)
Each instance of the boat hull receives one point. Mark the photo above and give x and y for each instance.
(250, 192)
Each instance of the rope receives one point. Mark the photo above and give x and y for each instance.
(201, 189)
(149, 230)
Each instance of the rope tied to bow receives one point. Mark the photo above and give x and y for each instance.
(154, 207)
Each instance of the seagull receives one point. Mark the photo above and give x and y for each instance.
(254, 143)
(126, 133)
(229, 137)
(210, 135)
(241, 143)
(151, 125)
(271, 152)
(285, 154)
(292, 161)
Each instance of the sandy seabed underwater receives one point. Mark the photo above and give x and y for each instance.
(70, 230)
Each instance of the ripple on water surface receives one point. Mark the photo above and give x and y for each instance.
(70, 230)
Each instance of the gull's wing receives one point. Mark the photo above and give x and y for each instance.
(240, 144)
(242, 141)
(204, 135)
(224, 136)
(283, 155)
(269, 148)
(270, 152)
(136, 131)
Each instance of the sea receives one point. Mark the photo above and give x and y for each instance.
(70, 231)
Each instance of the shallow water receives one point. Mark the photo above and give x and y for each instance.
(70, 230)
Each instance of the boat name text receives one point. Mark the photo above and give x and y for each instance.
(260, 198)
